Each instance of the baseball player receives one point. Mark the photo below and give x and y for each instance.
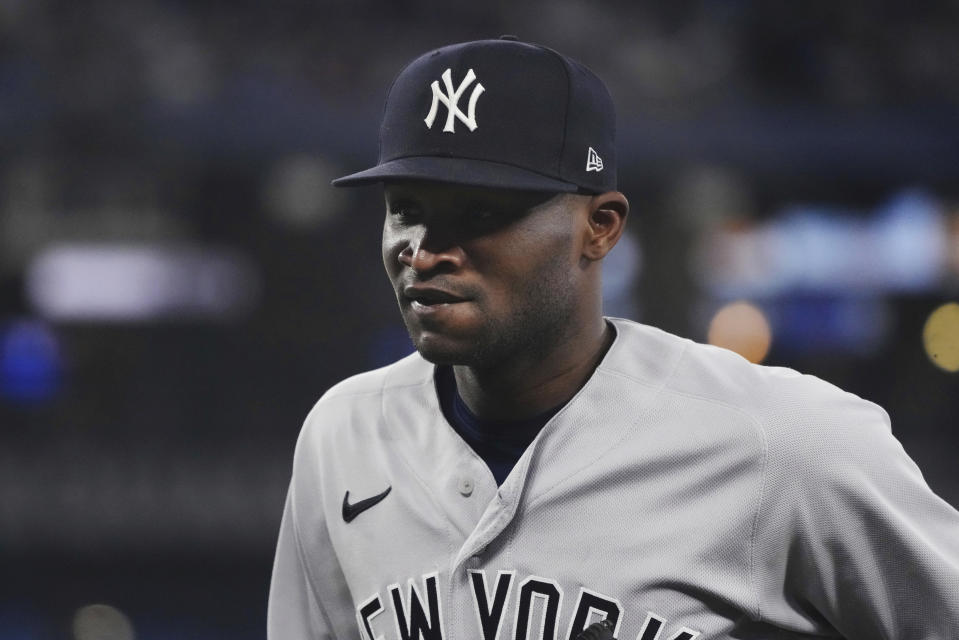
(535, 468)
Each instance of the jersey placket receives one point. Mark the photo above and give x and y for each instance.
(499, 513)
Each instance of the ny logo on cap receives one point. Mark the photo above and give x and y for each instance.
(452, 98)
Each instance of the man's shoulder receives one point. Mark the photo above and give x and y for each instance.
(412, 370)
(777, 399)
(808, 433)
(354, 406)
(365, 391)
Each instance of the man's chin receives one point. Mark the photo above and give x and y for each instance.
(442, 355)
(442, 350)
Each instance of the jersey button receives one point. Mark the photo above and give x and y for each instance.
(465, 486)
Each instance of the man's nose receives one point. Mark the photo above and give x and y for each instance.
(431, 249)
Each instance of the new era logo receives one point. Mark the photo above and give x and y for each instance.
(593, 161)
(452, 101)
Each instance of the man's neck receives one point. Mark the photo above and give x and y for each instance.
(528, 386)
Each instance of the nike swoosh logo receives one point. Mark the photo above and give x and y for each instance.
(350, 511)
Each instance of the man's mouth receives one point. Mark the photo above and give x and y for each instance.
(425, 297)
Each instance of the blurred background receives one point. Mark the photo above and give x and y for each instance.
(179, 283)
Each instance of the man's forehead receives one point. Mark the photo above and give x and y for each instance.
(455, 194)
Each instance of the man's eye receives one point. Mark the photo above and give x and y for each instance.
(403, 214)
(487, 217)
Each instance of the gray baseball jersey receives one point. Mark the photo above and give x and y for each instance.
(683, 493)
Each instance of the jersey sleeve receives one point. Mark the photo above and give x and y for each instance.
(293, 612)
(309, 598)
(852, 538)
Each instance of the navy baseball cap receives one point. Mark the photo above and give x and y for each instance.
(497, 113)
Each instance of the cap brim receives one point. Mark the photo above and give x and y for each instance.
(464, 171)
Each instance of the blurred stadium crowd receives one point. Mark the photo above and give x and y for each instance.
(179, 283)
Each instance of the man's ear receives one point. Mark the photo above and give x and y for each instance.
(607, 219)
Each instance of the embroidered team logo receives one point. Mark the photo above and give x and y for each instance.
(593, 161)
(452, 100)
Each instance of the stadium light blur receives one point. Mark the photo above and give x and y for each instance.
(940, 337)
(900, 247)
(131, 283)
(741, 327)
(101, 622)
(30, 361)
(297, 192)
